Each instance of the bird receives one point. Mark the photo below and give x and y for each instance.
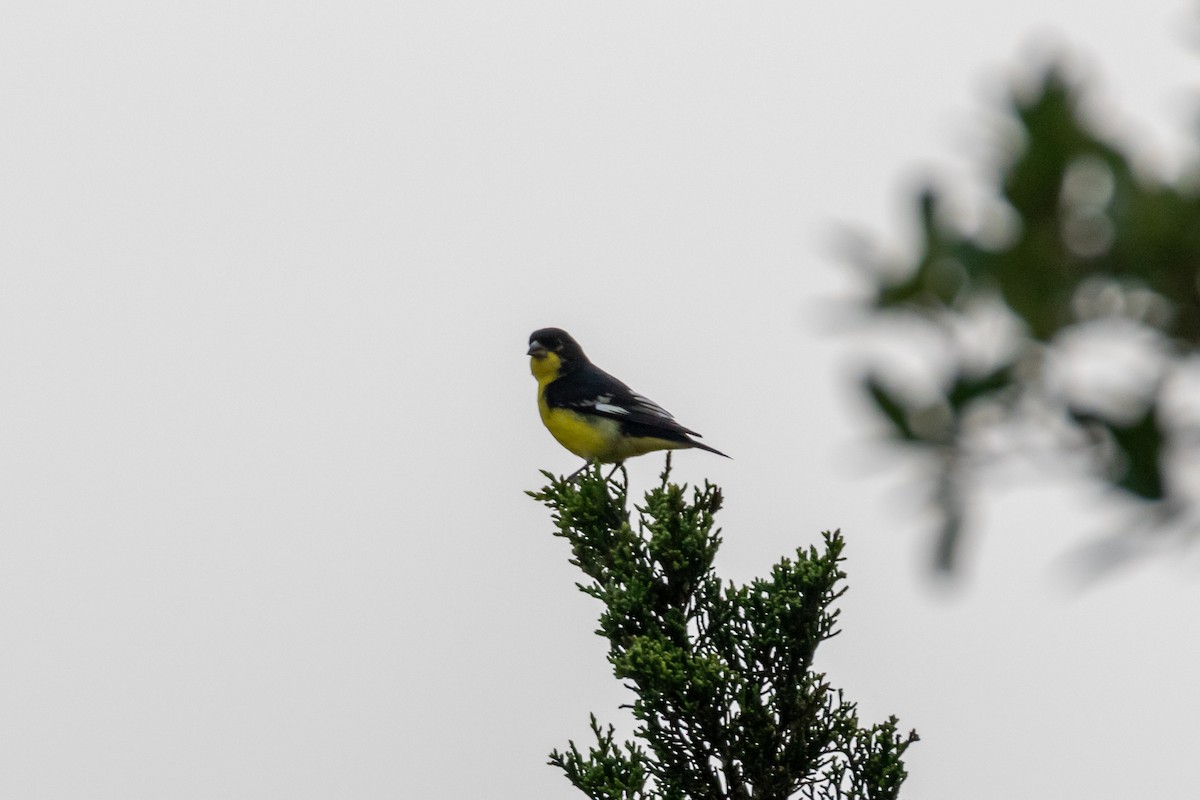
(594, 415)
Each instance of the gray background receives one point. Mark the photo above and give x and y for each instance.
(267, 272)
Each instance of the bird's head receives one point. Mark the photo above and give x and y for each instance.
(551, 351)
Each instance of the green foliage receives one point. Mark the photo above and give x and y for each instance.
(1090, 244)
(727, 703)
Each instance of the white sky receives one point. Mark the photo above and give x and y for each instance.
(266, 277)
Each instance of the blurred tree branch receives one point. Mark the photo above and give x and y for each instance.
(1068, 321)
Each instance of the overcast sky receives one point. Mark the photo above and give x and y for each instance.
(267, 272)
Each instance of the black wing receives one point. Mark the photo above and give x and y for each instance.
(591, 390)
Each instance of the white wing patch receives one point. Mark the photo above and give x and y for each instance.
(608, 408)
(641, 405)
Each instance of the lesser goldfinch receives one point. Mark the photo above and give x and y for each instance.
(591, 413)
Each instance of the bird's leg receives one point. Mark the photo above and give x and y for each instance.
(620, 465)
(574, 474)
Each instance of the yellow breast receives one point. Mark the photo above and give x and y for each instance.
(591, 438)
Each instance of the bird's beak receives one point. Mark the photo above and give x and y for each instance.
(536, 349)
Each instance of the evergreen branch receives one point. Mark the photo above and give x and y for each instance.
(727, 703)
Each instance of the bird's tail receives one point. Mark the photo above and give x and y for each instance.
(703, 446)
